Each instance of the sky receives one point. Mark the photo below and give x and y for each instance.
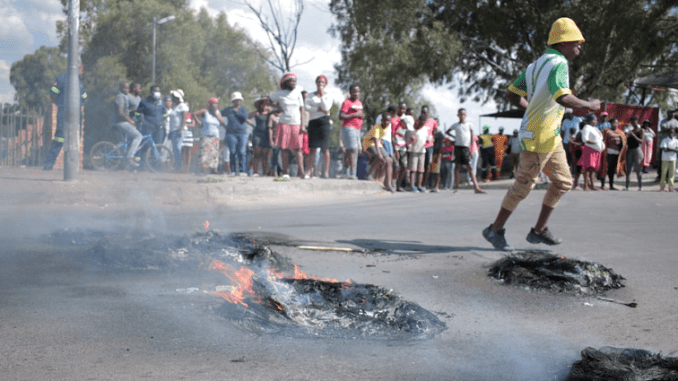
(29, 24)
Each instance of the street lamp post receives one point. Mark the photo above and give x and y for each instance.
(157, 22)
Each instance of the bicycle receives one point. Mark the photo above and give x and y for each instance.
(107, 156)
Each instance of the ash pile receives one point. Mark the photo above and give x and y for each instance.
(548, 272)
(266, 293)
(320, 308)
(623, 364)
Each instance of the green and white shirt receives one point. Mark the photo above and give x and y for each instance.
(544, 81)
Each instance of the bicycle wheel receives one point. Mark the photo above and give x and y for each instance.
(161, 160)
(105, 156)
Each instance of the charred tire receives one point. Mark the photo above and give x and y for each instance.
(104, 156)
(162, 162)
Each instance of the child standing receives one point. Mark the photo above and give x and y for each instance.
(418, 141)
(669, 146)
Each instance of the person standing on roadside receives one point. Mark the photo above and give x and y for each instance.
(648, 144)
(236, 133)
(463, 136)
(58, 94)
(542, 90)
(290, 125)
(615, 144)
(664, 126)
(570, 122)
(177, 123)
(351, 115)
(152, 108)
(318, 106)
(669, 146)
(634, 153)
(209, 135)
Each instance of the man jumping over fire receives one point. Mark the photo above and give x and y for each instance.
(542, 90)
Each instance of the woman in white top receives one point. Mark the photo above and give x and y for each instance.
(288, 134)
(591, 151)
(318, 106)
(177, 122)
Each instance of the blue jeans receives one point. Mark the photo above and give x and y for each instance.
(176, 139)
(237, 144)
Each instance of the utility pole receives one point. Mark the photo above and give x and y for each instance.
(157, 22)
(72, 135)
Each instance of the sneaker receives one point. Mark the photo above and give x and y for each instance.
(496, 238)
(543, 237)
(422, 189)
(132, 162)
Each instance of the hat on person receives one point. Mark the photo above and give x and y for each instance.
(564, 30)
(647, 121)
(236, 96)
(486, 128)
(590, 116)
(604, 113)
(286, 77)
(212, 100)
(634, 117)
(568, 111)
(179, 94)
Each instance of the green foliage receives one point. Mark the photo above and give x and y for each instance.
(390, 48)
(33, 76)
(200, 54)
(625, 39)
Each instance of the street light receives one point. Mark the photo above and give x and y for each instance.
(157, 22)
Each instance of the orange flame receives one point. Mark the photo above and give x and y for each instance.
(242, 279)
(206, 225)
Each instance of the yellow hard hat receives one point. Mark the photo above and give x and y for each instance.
(564, 30)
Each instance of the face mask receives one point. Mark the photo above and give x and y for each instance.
(157, 95)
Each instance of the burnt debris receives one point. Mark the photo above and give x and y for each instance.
(545, 271)
(623, 364)
(266, 293)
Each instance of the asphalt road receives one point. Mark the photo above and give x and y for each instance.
(64, 316)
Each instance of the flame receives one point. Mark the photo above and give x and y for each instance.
(206, 225)
(243, 279)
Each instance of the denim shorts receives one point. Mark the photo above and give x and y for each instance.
(350, 137)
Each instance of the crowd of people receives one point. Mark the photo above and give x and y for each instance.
(405, 152)
(602, 149)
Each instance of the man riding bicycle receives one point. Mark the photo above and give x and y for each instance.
(125, 125)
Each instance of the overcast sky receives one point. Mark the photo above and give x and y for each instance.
(28, 24)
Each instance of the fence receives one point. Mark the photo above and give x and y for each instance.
(22, 136)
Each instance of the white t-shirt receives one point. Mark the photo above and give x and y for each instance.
(669, 142)
(176, 117)
(462, 134)
(289, 101)
(419, 139)
(590, 133)
(314, 102)
(409, 122)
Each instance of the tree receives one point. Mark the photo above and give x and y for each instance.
(202, 55)
(391, 49)
(499, 38)
(33, 76)
(281, 32)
